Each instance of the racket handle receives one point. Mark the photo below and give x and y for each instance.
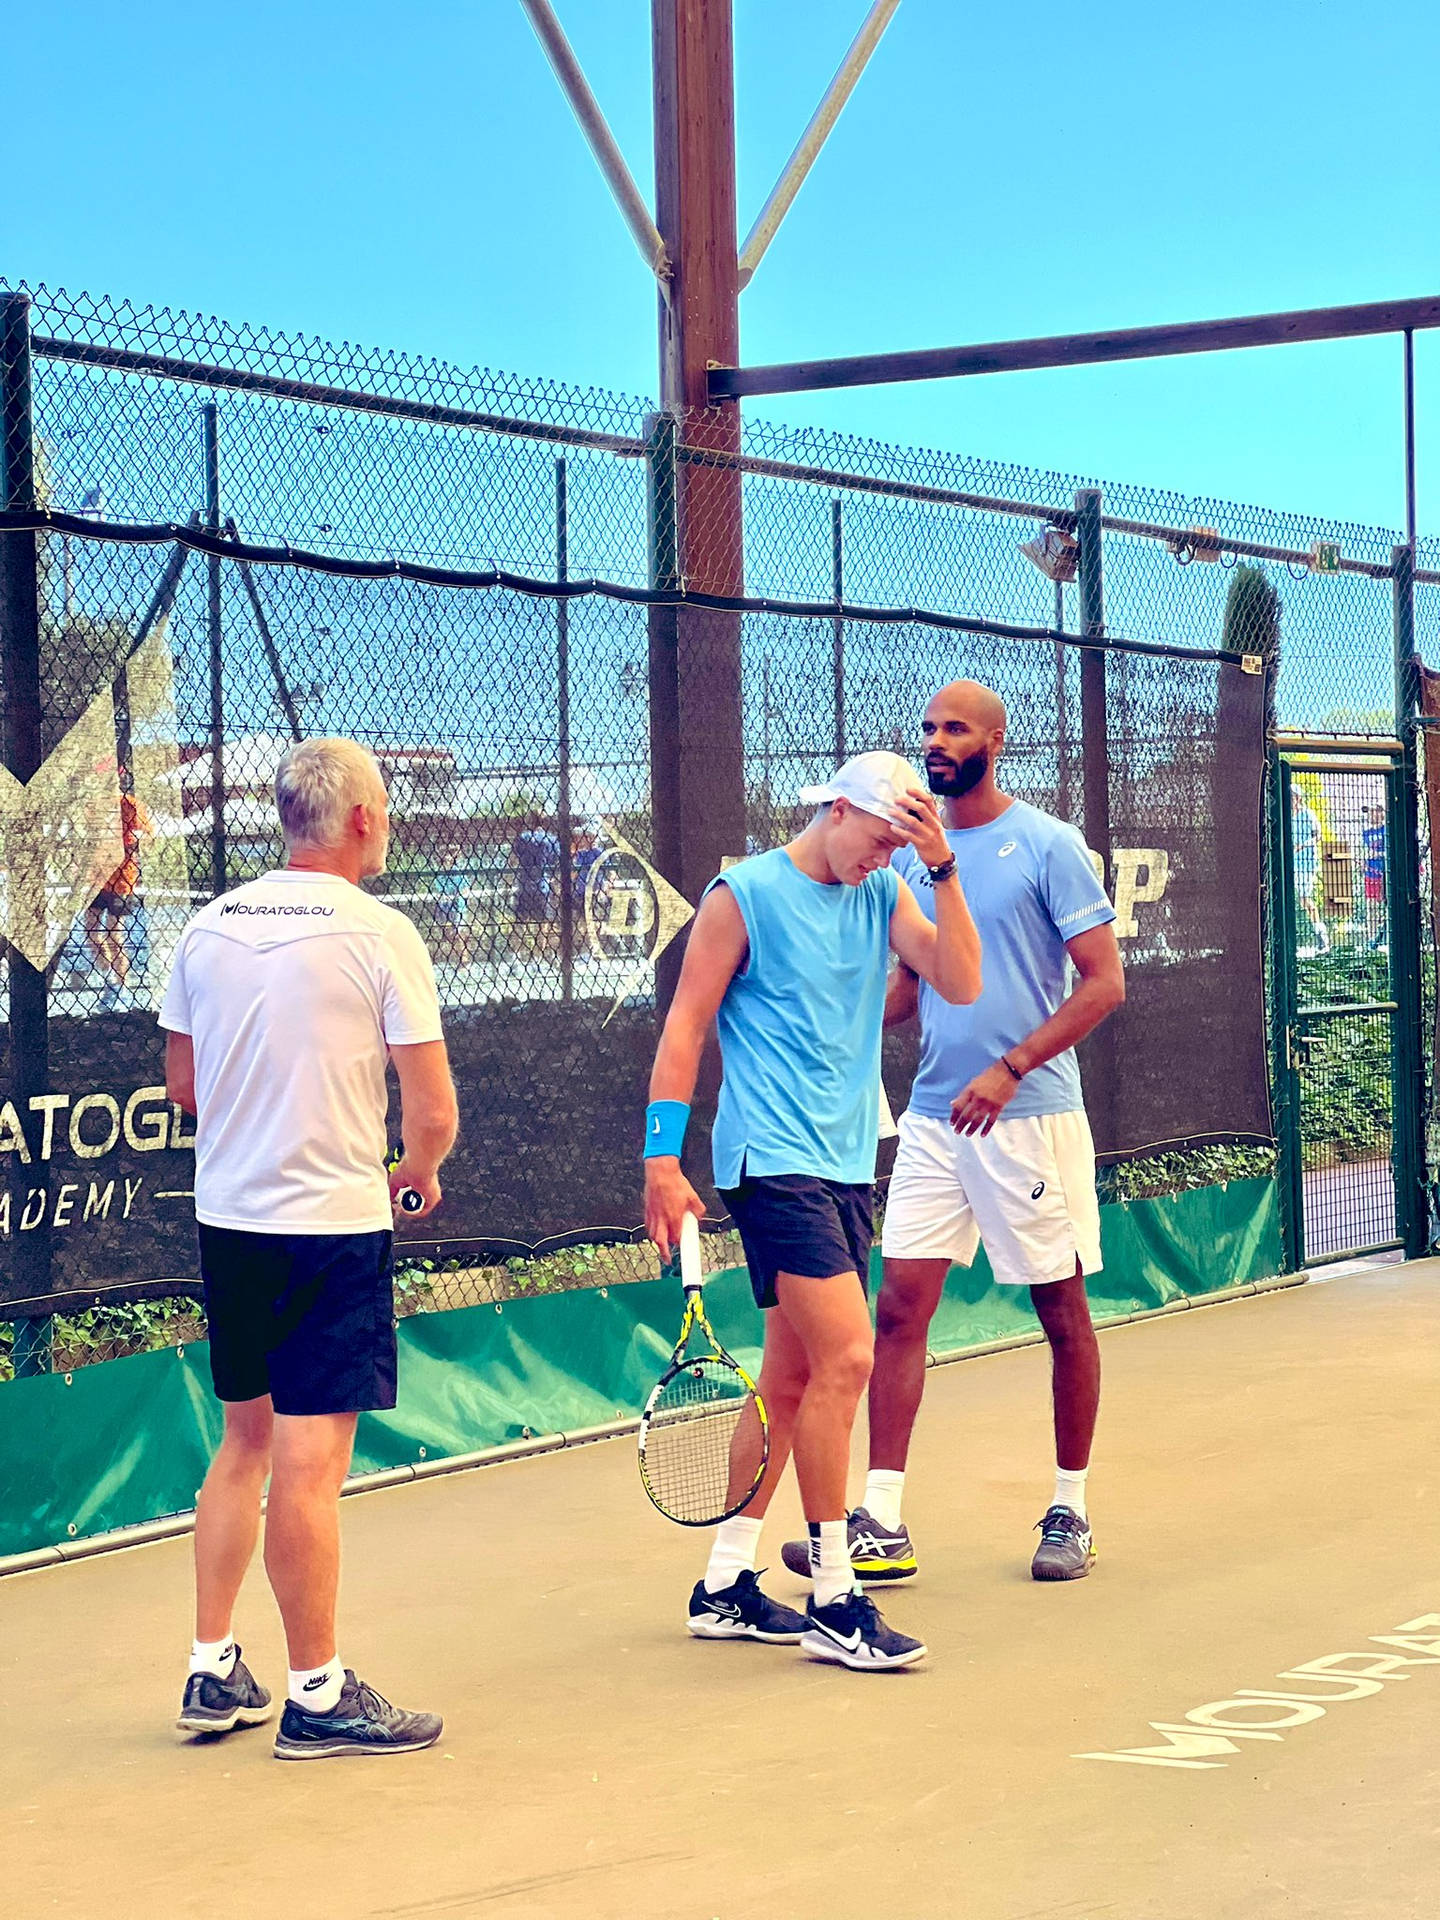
(692, 1270)
(410, 1200)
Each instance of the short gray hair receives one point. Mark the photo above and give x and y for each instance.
(316, 785)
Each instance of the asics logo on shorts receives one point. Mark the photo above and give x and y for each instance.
(1037, 1190)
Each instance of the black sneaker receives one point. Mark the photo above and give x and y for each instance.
(1067, 1547)
(361, 1722)
(876, 1553)
(743, 1612)
(851, 1631)
(213, 1705)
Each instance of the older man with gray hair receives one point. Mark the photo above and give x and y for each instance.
(286, 998)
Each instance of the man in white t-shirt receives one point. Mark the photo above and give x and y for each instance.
(286, 999)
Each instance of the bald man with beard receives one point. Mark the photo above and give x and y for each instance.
(995, 1145)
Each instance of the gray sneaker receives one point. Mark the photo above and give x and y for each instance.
(1067, 1548)
(876, 1553)
(212, 1705)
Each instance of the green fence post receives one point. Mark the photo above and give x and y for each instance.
(1403, 885)
(23, 747)
(1284, 992)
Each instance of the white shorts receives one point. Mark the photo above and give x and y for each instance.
(1027, 1189)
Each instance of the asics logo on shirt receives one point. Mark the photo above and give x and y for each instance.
(1009, 847)
(1036, 1191)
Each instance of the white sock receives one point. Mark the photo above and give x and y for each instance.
(1070, 1490)
(213, 1656)
(317, 1689)
(737, 1545)
(883, 1488)
(831, 1574)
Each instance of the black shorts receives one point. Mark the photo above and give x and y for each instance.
(308, 1318)
(796, 1223)
(109, 901)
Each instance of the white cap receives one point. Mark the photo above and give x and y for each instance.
(871, 781)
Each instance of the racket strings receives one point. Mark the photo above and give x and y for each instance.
(693, 1425)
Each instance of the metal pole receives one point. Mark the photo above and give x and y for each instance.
(807, 150)
(837, 584)
(1403, 878)
(1410, 438)
(608, 156)
(1062, 712)
(218, 877)
(562, 675)
(28, 1065)
(1100, 1050)
(283, 694)
(694, 117)
(1093, 717)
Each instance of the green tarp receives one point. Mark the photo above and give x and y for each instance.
(128, 1441)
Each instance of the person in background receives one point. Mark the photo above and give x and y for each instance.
(1305, 834)
(114, 926)
(537, 863)
(1372, 840)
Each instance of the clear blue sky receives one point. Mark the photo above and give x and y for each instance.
(413, 179)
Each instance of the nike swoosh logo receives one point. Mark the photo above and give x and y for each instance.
(850, 1641)
(655, 1124)
(726, 1607)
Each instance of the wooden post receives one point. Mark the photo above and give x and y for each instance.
(698, 774)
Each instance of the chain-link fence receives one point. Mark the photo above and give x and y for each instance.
(597, 651)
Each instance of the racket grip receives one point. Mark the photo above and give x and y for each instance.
(692, 1271)
(410, 1200)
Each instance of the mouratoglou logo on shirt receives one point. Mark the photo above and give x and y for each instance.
(286, 911)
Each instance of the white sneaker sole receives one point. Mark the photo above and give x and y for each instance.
(713, 1626)
(242, 1717)
(346, 1749)
(821, 1647)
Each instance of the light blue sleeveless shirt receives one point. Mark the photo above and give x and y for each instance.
(800, 1025)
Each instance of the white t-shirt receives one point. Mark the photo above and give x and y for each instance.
(292, 988)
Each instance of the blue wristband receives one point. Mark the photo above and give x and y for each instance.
(665, 1123)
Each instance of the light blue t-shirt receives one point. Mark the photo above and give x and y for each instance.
(800, 1024)
(1031, 886)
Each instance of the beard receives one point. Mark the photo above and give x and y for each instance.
(950, 779)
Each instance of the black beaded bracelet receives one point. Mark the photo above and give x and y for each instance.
(1013, 1071)
(945, 871)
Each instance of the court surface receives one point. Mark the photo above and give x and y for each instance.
(1264, 1496)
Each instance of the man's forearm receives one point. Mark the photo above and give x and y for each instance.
(1071, 1021)
(429, 1138)
(677, 1062)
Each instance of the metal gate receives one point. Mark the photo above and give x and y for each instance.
(1347, 1041)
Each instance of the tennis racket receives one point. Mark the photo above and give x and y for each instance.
(704, 1434)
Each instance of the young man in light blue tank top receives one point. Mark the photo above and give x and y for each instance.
(994, 1145)
(789, 955)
